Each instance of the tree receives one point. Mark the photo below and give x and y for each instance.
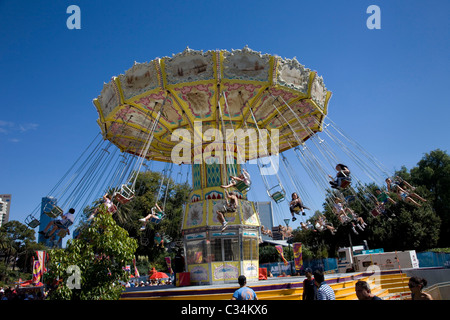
(268, 254)
(25, 259)
(17, 247)
(15, 239)
(418, 228)
(315, 245)
(101, 252)
(432, 173)
(150, 188)
(411, 228)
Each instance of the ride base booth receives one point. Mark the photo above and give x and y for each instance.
(214, 256)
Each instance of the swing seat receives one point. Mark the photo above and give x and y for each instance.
(344, 219)
(122, 199)
(345, 183)
(126, 191)
(112, 209)
(144, 241)
(229, 214)
(350, 198)
(278, 196)
(276, 234)
(157, 240)
(66, 224)
(63, 229)
(125, 195)
(62, 233)
(54, 212)
(241, 186)
(295, 208)
(375, 212)
(157, 220)
(32, 222)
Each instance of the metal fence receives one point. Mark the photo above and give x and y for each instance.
(433, 259)
(329, 265)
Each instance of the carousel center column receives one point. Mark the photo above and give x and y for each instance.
(212, 255)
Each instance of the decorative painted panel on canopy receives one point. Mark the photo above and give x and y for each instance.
(241, 89)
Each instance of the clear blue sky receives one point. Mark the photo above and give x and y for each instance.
(390, 86)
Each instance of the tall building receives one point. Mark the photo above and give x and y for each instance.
(5, 205)
(265, 211)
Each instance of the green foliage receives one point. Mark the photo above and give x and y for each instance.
(440, 250)
(432, 174)
(17, 247)
(412, 227)
(149, 190)
(148, 184)
(268, 254)
(314, 244)
(101, 251)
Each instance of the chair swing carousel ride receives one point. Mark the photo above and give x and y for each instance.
(218, 113)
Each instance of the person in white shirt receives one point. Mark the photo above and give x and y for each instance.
(324, 291)
(65, 222)
(109, 205)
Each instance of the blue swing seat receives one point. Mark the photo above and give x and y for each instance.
(156, 220)
(160, 215)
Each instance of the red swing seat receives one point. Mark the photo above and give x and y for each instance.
(345, 183)
(125, 195)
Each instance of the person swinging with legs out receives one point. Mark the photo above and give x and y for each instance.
(231, 206)
(156, 215)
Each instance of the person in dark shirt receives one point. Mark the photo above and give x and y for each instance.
(343, 173)
(296, 205)
(309, 288)
(363, 291)
(178, 265)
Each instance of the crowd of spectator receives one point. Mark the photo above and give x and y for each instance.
(17, 293)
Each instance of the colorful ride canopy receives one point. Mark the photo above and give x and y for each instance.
(197, 91)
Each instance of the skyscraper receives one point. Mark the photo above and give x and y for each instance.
(5, 205)
(265, 216)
